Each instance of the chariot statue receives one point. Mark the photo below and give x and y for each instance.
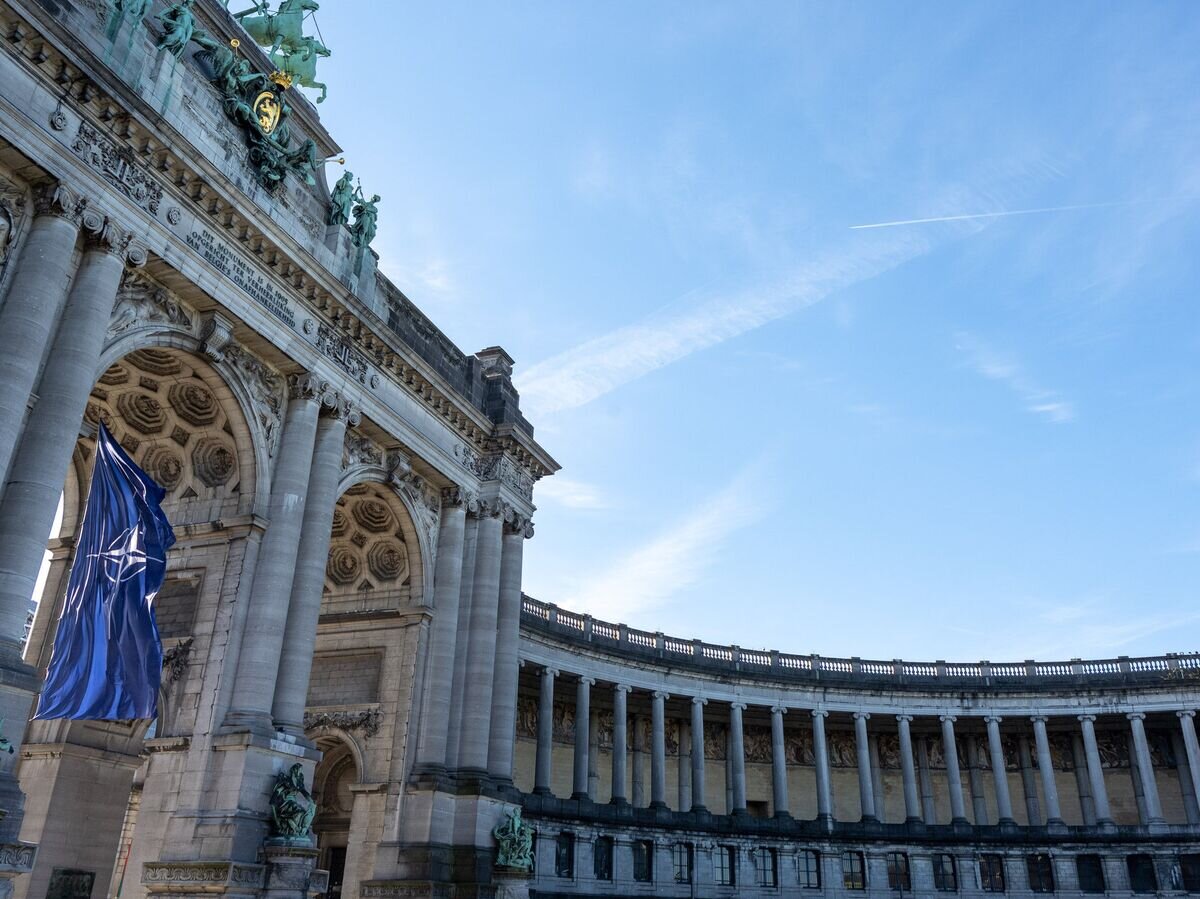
(281, 30)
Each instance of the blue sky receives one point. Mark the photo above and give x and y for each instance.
(964, 439)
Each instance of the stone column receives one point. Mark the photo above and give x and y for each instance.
(638, 777)
(35, 300)
(39, 465)
(1004, 810)
(1033, 811)
(821, 756)
(1187, 727)
(543, 766)
(1046, 768)
(583, 717)
(925, 781)
(1087, 807)
(1095, 770)
(594, 756)
(1186, 784)
(683, 773)
(620, 743)
(266, 617)
(447, 584)
(958, 810)
(308, 583)
(779, 784)
(975, 780)
(877, 778)
(698, 704)
(481, 660)
(506, 669)
(866, 794)
(1141, 748)
(912, 799)
(658, 750)
(737, 756)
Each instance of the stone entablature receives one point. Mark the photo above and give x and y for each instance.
(699, 657)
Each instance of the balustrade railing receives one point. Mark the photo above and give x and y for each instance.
(548, 618)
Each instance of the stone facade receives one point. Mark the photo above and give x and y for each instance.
(351, 495)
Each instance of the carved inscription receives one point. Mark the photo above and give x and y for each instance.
(231, 265)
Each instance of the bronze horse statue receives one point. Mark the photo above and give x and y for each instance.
(301, 63)
(279, 30)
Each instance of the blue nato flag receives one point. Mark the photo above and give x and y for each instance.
(107, 660)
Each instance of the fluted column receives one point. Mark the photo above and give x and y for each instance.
(1033, 811)
(866, 792)
(41, 459)
(1141, 750)
(620, 742)
(999, 770)
(481, 660)
(658, 750)
(266, 617)
(1095, 770)
(506, 668)
(1046, 769)
(583, 716)
(683, 770)
(308, 583)
(979, 809)
(35, 300)
(1187, 727)
(737, 756)
(544, 762)
(908, 771)
(958, 810)
(447, 584)
(1186, 788)
(1083, 785)
(925, 782)
(779, 784)
(698, 704)
(821, 756)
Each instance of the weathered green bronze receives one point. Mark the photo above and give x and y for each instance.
(292, 806)
(281, 30)
(120, 10)
(179, 28)
(341, 200)
(366, 214)
(514, 843)
(301, 64)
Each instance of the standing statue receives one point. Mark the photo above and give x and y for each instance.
(341, 200)
(179, 28)
(366, 214)
(292, 806)
(119, 10)
(514, 842)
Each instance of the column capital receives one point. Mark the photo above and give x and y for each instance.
(457, 496)
(992, 719)
(109, 237)
(306, 386)
(1086, 717)
(1136, 716)
(945, 718)
(55, 198)
(338, 407)
(552, 672)
(660, 694)
(590, 681)
(738, 705)
(622, 688)
(1037, 718)
(819, 713)
(904, 718)
(779, 710)
(699, 700)
(862, 716)
(1186, 713)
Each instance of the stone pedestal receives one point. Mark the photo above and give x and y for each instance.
(16, 859)
(511, 883)
(292, 871)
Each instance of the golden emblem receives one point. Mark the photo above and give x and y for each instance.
(266, 111)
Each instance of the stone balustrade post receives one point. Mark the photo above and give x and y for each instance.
(779, 784)
(821, 757)
(544, 762)
(1046, 768)
(737, 756)
(620, 748)
(958, 810)
(1141, 748)
(308, 582)
(866, 790)
(698, 800)
(908, 771)
(658, 750)
(583, 715)
(1095, 770)
(1004, 811)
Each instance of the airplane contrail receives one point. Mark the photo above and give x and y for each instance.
(989, 215)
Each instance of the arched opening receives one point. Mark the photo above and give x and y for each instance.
(332, 780)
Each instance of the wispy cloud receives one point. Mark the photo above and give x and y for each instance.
(602, 364)
(649, 576)
(1042, 401)
(991, 215)
(571, 493)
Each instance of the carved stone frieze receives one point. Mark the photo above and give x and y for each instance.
(527, 716)
(495, 467)
(798, 748)
(340, 348)
(368, 721)
(141, 301)
(361, 450)
(17, 856)
(757, 744)
(118, 166)
(266, 389)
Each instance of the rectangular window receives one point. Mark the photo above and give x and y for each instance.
(991, 873)
(1189, 866)
(602, 858)
(854, 874)
(1090, 870)
(808, 869)
(643, 861)
(766, 867)
(945, 878)
(1041, 872)
(681, 862)
(725, 865)
(564, 854)
(1142, 878)
(898, 876)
